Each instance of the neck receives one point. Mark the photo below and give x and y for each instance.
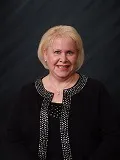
(60, 81)
(59, 85)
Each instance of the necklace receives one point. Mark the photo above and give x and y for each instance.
(60, 91)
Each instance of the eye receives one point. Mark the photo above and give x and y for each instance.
(57, 52)
(70, 52)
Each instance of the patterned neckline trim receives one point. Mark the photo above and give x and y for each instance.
(79, 85)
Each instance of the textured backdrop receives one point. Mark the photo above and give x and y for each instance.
(22, 24)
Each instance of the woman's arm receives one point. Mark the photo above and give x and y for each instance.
(14, 143)
(109, 149)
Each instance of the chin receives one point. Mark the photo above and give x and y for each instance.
(64, 75)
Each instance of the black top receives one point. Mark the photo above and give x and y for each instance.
(54, 151)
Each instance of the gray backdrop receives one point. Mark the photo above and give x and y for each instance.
(22, 24)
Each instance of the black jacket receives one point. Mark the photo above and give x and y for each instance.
(93, 128)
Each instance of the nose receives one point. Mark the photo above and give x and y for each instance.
(63, 58)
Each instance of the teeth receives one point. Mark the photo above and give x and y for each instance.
(62, 66)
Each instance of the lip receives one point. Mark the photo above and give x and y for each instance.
(62, 66)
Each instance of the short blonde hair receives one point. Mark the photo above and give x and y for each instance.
(61, 31)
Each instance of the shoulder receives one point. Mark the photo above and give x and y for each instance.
(28, 88)
(28, 92)
(95, 85)
(94, 88)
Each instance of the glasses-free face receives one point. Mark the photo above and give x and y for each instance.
(61, 57)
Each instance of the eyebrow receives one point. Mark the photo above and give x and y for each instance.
(69, 51)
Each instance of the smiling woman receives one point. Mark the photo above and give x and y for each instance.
(64, 115)
(62, 55)
(61, 58)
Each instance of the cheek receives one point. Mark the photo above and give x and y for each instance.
(52, 60)
(74, 60)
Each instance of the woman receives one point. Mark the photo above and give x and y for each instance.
(64, 115)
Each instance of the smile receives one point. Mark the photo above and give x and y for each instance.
(61, 66)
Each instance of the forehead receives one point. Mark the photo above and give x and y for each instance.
(63, 42)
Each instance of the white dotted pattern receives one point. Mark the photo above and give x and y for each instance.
(67, 94)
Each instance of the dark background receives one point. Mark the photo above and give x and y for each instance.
(23, 22)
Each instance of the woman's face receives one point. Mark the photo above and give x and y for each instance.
(61, 57)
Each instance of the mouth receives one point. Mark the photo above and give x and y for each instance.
(63, 66)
